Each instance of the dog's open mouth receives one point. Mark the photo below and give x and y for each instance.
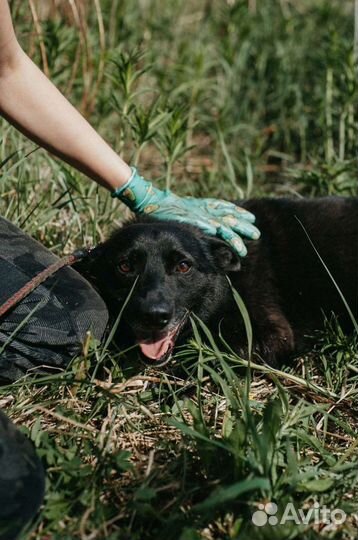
(160, 350)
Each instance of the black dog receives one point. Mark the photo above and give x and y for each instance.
(174, 270)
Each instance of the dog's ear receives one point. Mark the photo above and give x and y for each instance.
(224, 257)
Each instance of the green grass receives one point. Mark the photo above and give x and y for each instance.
(228, 99)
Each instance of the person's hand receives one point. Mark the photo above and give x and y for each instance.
(213, 216)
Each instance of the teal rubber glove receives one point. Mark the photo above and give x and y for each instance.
(213, 216)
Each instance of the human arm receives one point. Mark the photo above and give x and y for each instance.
(35, 106)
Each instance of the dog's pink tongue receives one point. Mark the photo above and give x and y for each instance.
(157, 349)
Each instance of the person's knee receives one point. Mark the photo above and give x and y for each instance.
(22, 480)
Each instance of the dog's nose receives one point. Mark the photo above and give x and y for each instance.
(157, 316)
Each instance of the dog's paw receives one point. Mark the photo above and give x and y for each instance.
(276, 341)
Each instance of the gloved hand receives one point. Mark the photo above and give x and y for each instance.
(213, 216)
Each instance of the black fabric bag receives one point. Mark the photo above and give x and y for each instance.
(49, 326)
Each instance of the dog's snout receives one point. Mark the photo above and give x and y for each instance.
(157, 315)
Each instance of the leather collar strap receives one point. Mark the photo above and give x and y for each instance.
(68, 260)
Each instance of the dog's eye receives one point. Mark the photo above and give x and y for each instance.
(183, 267)
(124, 266)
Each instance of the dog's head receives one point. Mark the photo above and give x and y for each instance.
(172, 270)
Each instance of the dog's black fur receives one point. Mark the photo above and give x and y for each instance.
(285, 286)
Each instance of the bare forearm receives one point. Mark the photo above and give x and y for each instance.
(35, 106)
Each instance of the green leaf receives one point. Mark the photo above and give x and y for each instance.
(145, 494)
(318, 485)
(190, 534)
(223, 495)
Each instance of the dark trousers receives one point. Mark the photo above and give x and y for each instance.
(49, 326)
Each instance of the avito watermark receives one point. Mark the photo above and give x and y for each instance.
(315, 514)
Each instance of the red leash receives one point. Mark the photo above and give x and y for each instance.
(41, 277)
